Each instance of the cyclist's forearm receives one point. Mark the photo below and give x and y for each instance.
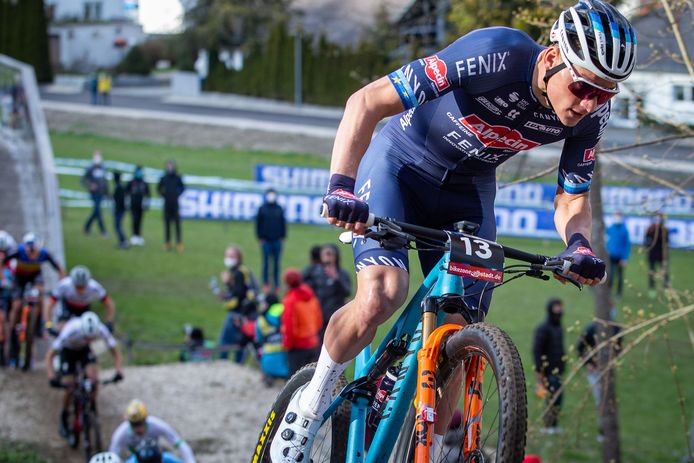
(572, 214)
(49, 363)
(186, 453)
(117, 359)
(110, 310)
(364, 109)
(48, 311)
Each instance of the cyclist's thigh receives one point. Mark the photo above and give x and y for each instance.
(381, 289)
(68, 364)
(91, 368)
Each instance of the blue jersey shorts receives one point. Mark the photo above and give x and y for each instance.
(397, 186)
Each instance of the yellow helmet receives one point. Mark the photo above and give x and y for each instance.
(136, 411)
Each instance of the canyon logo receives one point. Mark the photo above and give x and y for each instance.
(497, 136)
(436, 72)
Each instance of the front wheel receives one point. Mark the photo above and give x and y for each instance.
(330, 445)
(490, 398)
(92, 435)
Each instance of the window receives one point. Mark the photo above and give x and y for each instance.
(92, 11)
(683, 92)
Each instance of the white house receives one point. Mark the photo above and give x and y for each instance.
(660, 81)
(89, 34)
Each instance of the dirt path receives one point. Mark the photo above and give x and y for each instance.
(216, 407)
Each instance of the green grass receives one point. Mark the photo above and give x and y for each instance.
(11, 452)
(157, 292)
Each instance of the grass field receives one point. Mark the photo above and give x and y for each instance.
(157, 292)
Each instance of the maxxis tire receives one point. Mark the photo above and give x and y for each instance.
(505, 361)
(340, 419)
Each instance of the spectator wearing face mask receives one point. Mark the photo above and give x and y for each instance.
(171, 188)
(618, 248)
(94, 180)
(548, 353)
(138, 192)
(271, 230)
(239, 296)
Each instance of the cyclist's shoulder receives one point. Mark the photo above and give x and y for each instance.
(502, 36)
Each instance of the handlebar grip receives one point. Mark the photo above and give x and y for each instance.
(369, 222)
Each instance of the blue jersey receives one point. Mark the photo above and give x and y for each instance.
(28, 267)
(471, 107)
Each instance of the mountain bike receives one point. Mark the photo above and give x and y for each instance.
(474, 368)
(85, 423)
(22, 335)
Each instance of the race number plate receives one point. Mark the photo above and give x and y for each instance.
(476, 258)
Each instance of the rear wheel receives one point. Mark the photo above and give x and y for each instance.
(330, 444)
(494, 419)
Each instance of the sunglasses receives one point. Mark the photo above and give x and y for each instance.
(584, 89)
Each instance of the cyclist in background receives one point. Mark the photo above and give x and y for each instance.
(459, 114)
(29, 256)
(73, 348)
(7, 245)
(140, 427)
(76, 293)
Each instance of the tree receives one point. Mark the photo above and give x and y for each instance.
(24, 35)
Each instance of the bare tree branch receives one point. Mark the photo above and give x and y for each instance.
(678, 36)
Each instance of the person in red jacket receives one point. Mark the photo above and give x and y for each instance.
(302, 321)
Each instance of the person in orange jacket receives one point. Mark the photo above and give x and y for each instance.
(302, 321)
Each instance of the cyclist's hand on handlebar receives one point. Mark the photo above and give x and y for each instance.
(342, 208)
(118, 377)
(55, 382)
(586, 267)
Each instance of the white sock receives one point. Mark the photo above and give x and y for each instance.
(317, 396)
(436, 447)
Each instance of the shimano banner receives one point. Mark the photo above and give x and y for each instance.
(629, 200)
(511, 221)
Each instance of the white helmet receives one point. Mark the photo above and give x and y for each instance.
(90, 324)
(31, 238)
(594, 35)
(105, 457)
(80, 276)
(6, 241)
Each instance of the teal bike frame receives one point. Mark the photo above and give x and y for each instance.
(437, 283)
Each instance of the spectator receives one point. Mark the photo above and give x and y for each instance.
(618, 248)
(657, 242)
(104, 87)
(271, 229)
(548, 353)
(138, 192)
(94, 88)
(119, 210)
(196, 347)
(239, 296)
(94, 180)
(268, 334)
(171, 188)
(331, 284)
(314, 263)
(586, 345)
(302, 321)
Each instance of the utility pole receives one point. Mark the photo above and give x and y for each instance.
(297, 66)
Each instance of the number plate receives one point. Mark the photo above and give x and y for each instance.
(476, 258)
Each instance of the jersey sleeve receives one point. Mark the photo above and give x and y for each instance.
(119, 439)
(164, 430)
(484, 54)
(107, 336)
(59, 291)
(99, 290)
(578, 156)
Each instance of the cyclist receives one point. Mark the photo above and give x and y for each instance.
(73, 348)
(77, 292)
(140, 427)
(7, 245)
(490, 94)
(29, 256)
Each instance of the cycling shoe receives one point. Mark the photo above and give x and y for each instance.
(295, 434)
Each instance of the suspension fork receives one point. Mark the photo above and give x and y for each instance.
(427, 358)
(472, 412)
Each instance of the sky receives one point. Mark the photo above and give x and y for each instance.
(160, 16)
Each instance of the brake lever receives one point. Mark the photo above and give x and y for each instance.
(571, 280)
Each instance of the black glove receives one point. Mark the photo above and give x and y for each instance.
(55, 383)
(118, 377)
(341, 202)
(584, 262)
(109, 325)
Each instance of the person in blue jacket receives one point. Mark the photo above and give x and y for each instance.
(618, 248)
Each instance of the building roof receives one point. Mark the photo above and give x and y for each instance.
(657, 47)
(344, 22)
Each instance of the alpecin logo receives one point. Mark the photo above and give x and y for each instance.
(589, 155)
(477, 273)
(497, 136)
(584, 250)
(436, 72)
